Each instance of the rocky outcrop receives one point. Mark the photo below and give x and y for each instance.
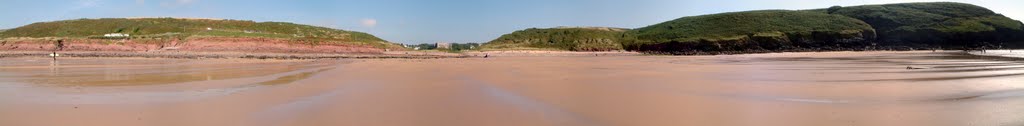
(75, 45)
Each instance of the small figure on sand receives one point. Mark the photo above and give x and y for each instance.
(59, 45)
(54, 55)
(913, 68)
(487, 55)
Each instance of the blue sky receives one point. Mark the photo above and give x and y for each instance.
(428, 21)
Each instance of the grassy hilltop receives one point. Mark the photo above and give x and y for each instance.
(180, 28)
(934, 24)
(868, 27)
(561, 38)
(751, 30)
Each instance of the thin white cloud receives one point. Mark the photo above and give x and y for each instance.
(140, 1)
(369, 22)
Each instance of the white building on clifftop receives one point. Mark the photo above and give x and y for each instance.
(116, 35)
(443, 45)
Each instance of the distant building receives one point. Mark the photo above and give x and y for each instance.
(116, 35)
(443, 45)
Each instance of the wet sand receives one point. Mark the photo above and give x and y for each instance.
(781, 89)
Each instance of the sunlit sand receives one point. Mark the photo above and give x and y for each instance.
(781, 89)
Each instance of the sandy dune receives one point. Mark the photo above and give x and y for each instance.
(781, 89)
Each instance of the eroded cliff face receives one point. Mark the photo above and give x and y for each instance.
(50, 44)
(207, 44)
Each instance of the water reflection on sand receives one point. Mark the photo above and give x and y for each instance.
(782, 89)
(125, 80)
(139, 71)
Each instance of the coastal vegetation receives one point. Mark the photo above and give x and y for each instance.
(750, 31)
(903, 26)
(938, 24)
(561, 38)
(184, 28)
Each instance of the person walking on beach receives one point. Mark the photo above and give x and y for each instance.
(59, 45)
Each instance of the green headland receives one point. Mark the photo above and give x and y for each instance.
(904, 26)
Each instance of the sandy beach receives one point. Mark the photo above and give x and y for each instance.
(945, 88)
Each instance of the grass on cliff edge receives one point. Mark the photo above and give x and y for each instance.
(179, 27)
(563, 38)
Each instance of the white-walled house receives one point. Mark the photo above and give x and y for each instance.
(115, 35)
(443, 45)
